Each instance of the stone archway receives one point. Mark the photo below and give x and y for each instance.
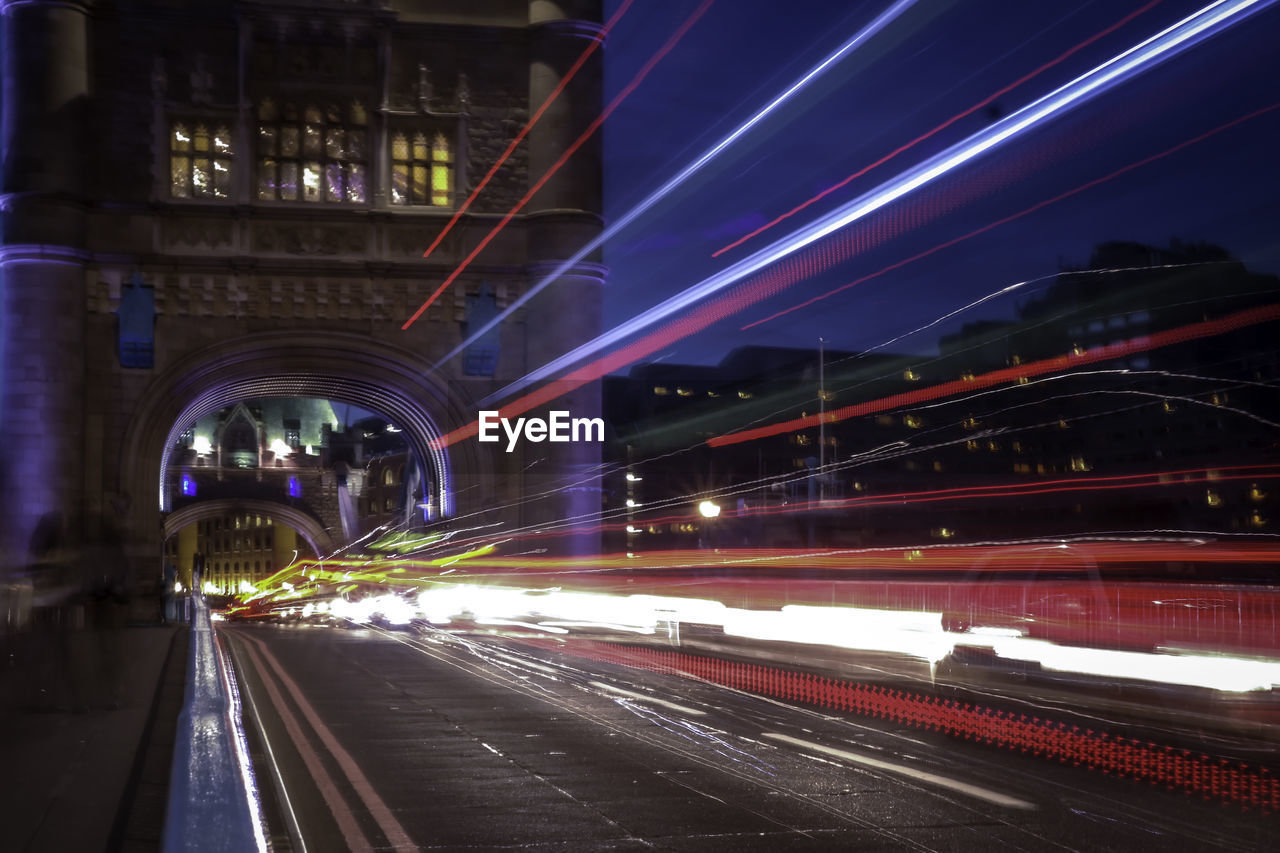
(337, 366)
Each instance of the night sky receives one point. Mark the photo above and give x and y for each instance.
(936, 61)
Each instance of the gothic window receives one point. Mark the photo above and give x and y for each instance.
(200, 156)
(310, 153)
(421, 172)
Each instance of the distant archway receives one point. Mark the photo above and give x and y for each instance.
(310, 529)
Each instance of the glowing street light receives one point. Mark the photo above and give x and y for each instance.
(709, 509)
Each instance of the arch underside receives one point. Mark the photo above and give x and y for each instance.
(307, 526)
(418, 428)
(342, 367)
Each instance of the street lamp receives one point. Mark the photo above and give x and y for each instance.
(709, 509)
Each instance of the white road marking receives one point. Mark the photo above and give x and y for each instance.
(910, 772)
(643, 698)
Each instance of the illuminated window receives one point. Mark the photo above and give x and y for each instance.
(1255, 494)
(745, 395)
(684, 392)
(913, 421)
(388, 477)
(200, 157)
(421, 171)
(295, 488)
(310, 154)
(1212, 498)
(910, 375)
(661, 390)
(1079, 464)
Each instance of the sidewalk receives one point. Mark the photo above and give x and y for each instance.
(86, 766)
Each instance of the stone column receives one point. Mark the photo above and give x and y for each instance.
(42, 312)
(561, 218)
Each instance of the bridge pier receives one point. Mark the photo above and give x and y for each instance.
(42, 260)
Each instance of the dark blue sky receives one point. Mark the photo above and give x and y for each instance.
(937, 61)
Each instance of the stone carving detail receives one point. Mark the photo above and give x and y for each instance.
(322, 240)
(201, 83)
(182, 232)
(413, 240)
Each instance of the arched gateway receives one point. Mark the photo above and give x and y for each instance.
(181, 234)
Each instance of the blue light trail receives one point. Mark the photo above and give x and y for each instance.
(1164, 45)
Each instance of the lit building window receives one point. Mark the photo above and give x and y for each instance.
(188, 485)
(295, 488)
(421, 173)
(310, 154)
(661, 390)
(200, 157)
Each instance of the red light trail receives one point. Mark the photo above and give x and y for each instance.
(768, 283)
(502, 158)
(1120, 349)
(909, 145)
(1042, 204)
(571, 527)
(1250, 786)
(569, 152)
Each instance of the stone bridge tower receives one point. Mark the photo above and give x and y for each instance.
(208, 202)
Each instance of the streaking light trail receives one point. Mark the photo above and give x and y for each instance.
(929, 134)
(859, 38)
(1021, 213)
(1158, 48)
(1119, 349)
(564, 158)
(524, 131)
(730, 304)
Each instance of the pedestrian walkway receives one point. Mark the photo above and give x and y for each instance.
(86, 761)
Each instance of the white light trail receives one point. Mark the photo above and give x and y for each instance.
(859, 38)
(1162, 46)
(910, 772)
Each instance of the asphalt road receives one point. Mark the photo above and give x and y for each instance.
(381, 740)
